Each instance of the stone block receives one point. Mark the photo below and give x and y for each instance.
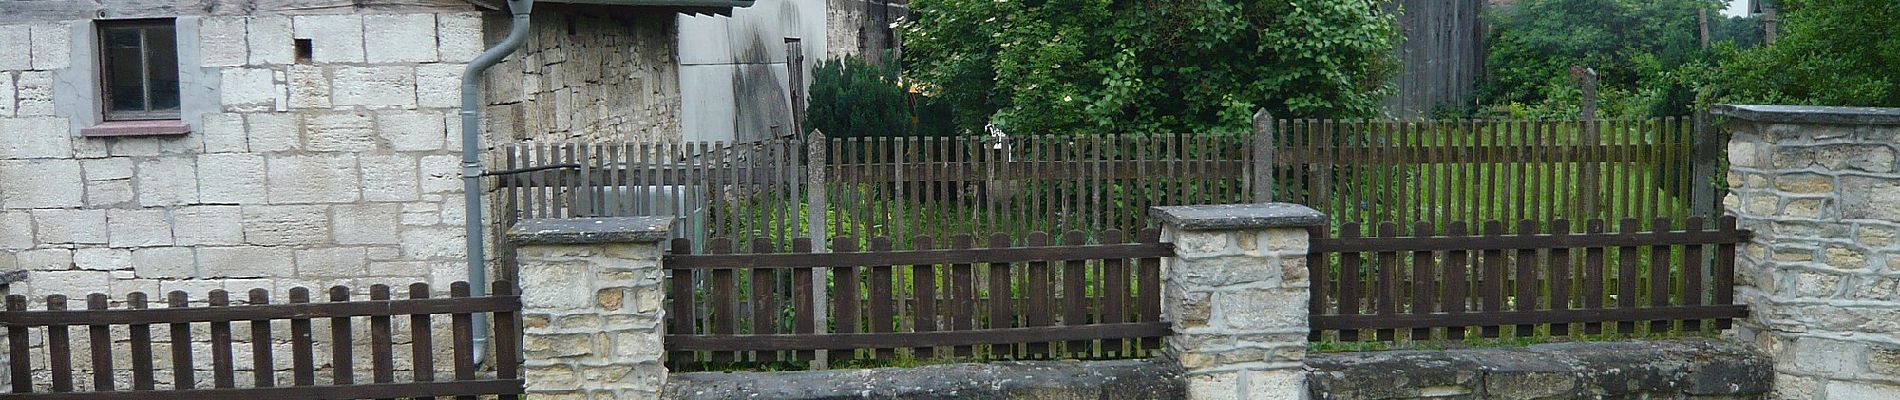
(389, 178)
(45, 259)
(16, 40)
(411, 130)
(286, 225)
(251, 89)
(33, 94)
(221, 41)
(138, 228)
(313, 179)
(401, 38)
(102, 259)
(38, 137)
(335, 262)
(223, 133)
(208, 225)
(109, 193)
(274, 132)
(1216, 386)
(231, 178)
(459, 36)
(270, 40)
(1261, 310)
(1829, 357)
(16, 230)
(366, 223)
(41, 183)
(164, 263)
(439, 85)
(441, 173)
(1199, 244)
(73, 284)
(71, 226)
(1865, 197)
(333, 38)
(52, 46)
(1227, 271)
(7, 89)
(309, 87)
(339, 132)
(245, 262)
(1846, 390)
(433, 243)
(167, 181)
(375, 87)
(555, 284)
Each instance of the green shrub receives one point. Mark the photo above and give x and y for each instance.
(851, 97)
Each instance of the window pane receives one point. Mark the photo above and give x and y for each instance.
(124, 74)
(161, 48)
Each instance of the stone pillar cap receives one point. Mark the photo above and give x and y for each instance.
(1810, 114)
(591, 230)
(1239, 216)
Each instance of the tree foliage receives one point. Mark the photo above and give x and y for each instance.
(1076, 66)
(1639, 49)
(1829, 52)
(854, 98)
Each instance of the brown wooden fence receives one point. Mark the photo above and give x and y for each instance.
(1037, 298)
(179, 321)
(1458, 282)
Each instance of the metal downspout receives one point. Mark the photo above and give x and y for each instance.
(472, 163)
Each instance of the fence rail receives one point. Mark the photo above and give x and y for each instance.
(1442, 283)
(177, 324)
(1037, 298)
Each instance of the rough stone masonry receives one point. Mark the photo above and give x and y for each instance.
(592, 306)
(1821, 189)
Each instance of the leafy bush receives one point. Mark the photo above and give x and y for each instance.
(1646, 54)
(851, 97)
(1096, 66)
(1829, 52)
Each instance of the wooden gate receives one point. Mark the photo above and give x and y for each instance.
(129, 330)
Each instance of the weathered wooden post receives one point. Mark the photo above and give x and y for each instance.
(1260, 174)
(817, 207)
(1592, 137)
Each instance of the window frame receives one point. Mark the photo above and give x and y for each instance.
(105, 61)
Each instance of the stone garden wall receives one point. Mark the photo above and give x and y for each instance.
(1821, 189)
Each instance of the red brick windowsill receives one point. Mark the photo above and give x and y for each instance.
(168, 127)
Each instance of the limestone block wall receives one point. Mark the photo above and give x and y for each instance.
(591, 306)
(589, 74)
(1821, 189)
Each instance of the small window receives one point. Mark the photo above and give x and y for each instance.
(139, 67)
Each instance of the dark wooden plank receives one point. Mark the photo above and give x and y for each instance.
(1002, 296)
(222, 374)
(1114, 294)
(1559, 276)
(847, 288)
(1692, 267)
(1387, 293)
(461, 332)
(141, 346)
(99, 338)
(1627, 276)
(1493, 292)
(422, 338)
(58, 349)
(1424, 281)
(1593, 279)
(342, 347)
(275, 312)
(303, 365)
(878, 300)
(724, 295)
(963, 296)
(1040, 296)
(1351, 291)
(358, 391)
(680, 299)
(1724, 291)
(1526, 284)
(1075, 301)
(804, 315)
(1458, 279)
(507, 339)
(765, 309)
(183, 375)
(19, 364)
(913, 339)
(1527, 317)
(923, 280)
(382, 349)
(1660, 280)
(1148, 286)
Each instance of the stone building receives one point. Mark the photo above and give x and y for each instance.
(270, 143)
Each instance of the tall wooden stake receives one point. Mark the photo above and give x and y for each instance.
(1261, 174)
(816, 209)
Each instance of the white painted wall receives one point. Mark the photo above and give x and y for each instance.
(733, 74)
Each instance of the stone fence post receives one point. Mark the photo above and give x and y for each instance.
(591, 290)
(1236, 293)
(1820, 188)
